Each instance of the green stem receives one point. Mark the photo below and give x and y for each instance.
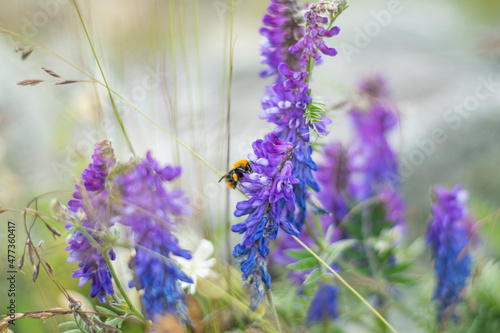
(227, 229)
(326, 326)
(318, 226)
(120, 287)
(366, 231)
(309, 68)
(111, 269)
(273, 308)
(115, 109)
(89, 237)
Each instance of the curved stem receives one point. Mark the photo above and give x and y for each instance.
(120, 287)
(111, 269)
(275, 313)
(115, 109)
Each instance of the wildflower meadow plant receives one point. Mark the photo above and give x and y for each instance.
(282, 162)
(134, 195)
(361, 227)
(152, 213)
(289, 103)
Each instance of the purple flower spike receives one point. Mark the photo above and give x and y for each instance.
(152, 212)
(449, 234)
(333, 176)
(286, 103)
(139, 200)
(90, 260)
(281, 177)
(270, 188)
(282, 29)
(307, 47)
(373, 162)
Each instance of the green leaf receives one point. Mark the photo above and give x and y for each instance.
(115, 322)
(397, 268)
(313, 276)
(401, 278)
(308, 290)
(298, 254)
(304, 264)
(77, 330)
(120, 307)
(82, 324)
(105, 310)
(67, 325)
(335, 249)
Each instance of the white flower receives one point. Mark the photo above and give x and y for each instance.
(199, 265)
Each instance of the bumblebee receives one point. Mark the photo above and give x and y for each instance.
(234, 175)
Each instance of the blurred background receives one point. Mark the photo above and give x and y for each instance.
(171, 60)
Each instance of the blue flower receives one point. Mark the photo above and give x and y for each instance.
(270, 191)
(284, 105)
(324, 304)
(152, 212)
(449, 234)
(282, 164)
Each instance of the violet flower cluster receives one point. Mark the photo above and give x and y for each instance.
(282, 28)
(90, 259)
(152, 212)
(449, 235)
(372, 162)
(316, 29)
(282, 164)
(134, 195)
(334, 176)
(353, 173)
(365, 168)
(285, 103)
(270, 189)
